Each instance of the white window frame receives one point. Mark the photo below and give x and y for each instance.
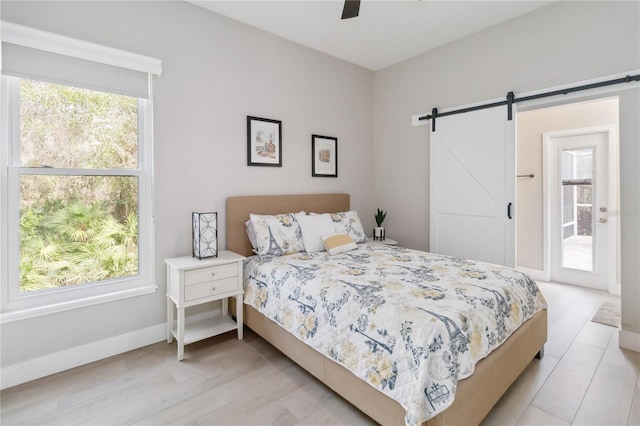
(14, 305)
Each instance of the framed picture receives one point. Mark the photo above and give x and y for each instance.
(324, 156)
(264, 142)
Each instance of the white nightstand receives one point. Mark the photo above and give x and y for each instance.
(386, 241)
(192, 282)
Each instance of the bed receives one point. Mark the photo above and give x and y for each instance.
(474, 395)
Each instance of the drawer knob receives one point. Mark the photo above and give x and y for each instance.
(213, 274)
(213, 289)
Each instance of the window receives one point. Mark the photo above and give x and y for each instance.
(75, 227)
(77, 175)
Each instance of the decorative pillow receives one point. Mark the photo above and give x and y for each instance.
(277, 235)
(251, 233)
(338, 243)
(313, 228)
(349, 223)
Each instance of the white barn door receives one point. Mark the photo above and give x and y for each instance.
(472, 172)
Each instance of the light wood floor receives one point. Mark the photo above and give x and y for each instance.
(584, 378)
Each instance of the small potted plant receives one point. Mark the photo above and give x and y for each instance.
(378, 231)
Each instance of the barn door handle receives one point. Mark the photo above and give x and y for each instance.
(509, 211)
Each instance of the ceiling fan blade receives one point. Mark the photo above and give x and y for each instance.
(351, 9)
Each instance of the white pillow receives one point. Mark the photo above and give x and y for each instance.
(251, 233)
(313, 228)
(338, 243)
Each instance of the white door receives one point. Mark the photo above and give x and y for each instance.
(472, 172)
(578, 194)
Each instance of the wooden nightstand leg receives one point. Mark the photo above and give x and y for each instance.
(180, 328)
(239, 315)
(170, 319)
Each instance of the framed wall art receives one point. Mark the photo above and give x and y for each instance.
(324, 156)
(264, 142)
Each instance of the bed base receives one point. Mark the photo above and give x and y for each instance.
(475, 395)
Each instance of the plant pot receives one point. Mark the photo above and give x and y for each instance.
(378, 233)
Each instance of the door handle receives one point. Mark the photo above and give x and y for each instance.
(603, 220)
(509, 211)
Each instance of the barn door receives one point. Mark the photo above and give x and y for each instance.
(472, 206)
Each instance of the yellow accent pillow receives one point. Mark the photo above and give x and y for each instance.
(338, 243)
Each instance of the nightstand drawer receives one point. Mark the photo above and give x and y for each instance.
(210, 274)
(210, 288)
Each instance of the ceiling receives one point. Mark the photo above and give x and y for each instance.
(386, 32)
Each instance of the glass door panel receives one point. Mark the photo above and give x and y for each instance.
(578, 233)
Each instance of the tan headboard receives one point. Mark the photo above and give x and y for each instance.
(239, 208)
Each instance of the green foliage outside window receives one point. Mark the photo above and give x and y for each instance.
(76, 229)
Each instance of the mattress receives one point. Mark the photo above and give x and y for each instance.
(409, 323)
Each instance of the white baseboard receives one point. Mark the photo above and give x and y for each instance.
(629, 340)
(536, 274)
(56, 362)
(616, 289)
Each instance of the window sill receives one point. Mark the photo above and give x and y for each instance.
(19, 315)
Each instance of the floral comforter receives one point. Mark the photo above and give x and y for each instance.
(408, 322)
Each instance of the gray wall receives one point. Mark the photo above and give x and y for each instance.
(559, 44)
(215, 72)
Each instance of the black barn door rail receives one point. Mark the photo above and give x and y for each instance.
(511, 99)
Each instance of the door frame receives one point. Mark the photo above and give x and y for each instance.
(613, 241)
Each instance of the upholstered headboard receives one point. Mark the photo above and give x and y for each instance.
(239, 208)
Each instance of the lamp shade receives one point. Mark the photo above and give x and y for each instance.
(205, 234)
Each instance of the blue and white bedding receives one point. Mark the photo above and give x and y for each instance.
(409, 323)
